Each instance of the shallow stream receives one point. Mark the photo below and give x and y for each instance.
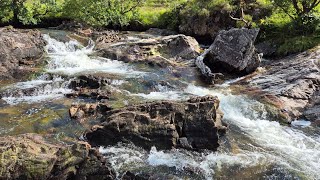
(253, 148)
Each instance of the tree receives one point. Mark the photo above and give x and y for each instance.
(25, 11)
(302, 14)
(102, 12)
(297, 8)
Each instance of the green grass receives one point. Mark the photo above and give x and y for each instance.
(150, 14)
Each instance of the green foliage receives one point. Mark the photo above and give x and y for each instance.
(302, 13)
(28, 11)
(159, 13)
(204, 8)
(292, 25)
(297, 44)
(102, 12)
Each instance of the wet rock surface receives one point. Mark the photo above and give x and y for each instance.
(89, 86)
(154, 50)
(28, 156)
(20, 51)
(293, 83)
(80, 112)
(194, 124)
(312, 110)
(233, 52)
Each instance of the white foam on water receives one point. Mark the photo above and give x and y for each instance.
(162, 93)
(41, 80)
(205, 165)
(121, 158)
(50, 91)
(301, 123)
(37, 90)
(291, 147)
(169, 95)
(70, 58)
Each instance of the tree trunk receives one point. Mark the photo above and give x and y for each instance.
(15, 10)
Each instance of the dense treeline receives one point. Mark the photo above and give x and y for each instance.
(92, 12)
(283, 22)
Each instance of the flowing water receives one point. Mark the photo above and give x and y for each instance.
(253, 148)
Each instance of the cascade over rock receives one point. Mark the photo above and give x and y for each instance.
(193, 124)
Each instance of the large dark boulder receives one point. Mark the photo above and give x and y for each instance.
(232, 52)
(192, 124)
(20, 51)
(28, 156)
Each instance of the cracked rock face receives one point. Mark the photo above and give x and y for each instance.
(193, 124)
(294, 82)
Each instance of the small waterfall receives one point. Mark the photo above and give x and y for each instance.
(286, 148)
(64, 59)
(40, 89)
(72, 59)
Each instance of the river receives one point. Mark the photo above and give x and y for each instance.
(253, 148)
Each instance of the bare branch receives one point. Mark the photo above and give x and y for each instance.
(132, 7)
(247, 23)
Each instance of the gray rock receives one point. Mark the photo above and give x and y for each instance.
(267, 48)
(292, 82)
(312, 111)
(193, 124)
(153, 50)
(233, 52)
(28, 156)
(161, 32)
(20, 51)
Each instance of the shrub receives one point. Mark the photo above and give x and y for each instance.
(102, 12)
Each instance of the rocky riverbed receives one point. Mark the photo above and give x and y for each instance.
(131, 105)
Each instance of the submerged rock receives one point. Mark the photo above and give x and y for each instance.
(155, 50)
(20, 51)
(193, 124)
(30, 157)
(233, 52)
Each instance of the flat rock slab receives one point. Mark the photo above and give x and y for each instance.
(294, 82)
(154, 50)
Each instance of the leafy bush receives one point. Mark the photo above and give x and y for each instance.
(28, 11)
(297, 44)
(102, 12)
